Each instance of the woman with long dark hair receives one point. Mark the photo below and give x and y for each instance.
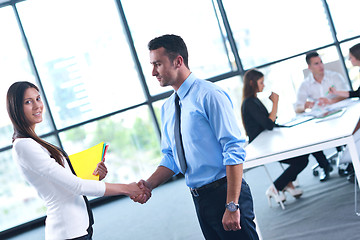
(354, 57)
(256, 119)
(48, 169)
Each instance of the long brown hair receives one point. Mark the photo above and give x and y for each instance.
(250, 83)
(22, 128)
(250, 86)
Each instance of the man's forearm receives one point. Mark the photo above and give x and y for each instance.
(161, 175)
(234, 175)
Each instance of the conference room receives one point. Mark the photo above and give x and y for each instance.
(91, 62)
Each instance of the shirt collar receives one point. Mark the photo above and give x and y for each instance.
(186, 85)
(312, 79)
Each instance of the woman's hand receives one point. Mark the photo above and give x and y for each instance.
(143, 198)
(274, 97)
(100, 170)
(134, 191)
(332, 90)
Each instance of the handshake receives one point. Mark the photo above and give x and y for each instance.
(139, 192)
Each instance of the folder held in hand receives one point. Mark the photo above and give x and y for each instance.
(85, 162)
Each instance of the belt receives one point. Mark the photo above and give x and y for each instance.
(210, 186)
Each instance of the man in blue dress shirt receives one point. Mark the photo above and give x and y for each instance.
(212, 143)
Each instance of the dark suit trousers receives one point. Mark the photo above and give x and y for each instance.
(210, 208)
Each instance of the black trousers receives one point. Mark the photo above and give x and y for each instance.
(297, 164)
(321, 159)
(210, 208)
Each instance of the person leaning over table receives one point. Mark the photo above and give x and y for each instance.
(212, 145)
(48, 169)
(354, 57)
(256, 119)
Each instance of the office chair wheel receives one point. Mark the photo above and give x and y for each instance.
(342, 172)
(315, 172)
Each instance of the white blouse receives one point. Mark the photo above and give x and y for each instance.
(62, 191)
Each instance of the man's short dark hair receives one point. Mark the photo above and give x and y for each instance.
(174, 46)
(310, 55)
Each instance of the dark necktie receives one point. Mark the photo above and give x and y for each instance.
(178, 138)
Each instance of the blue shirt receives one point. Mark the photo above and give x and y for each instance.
(210, 134)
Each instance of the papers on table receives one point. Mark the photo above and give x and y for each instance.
(297, 120)
(85, 162)
(320, 113)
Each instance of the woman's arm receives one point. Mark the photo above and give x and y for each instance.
(333, 90)
(33, 158)
(131, 190)
(275, 100)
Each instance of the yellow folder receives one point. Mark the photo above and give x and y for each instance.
(85, 162)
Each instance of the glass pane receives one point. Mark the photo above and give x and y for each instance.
(15, 67)
(134, 150)
(83, 59)
(277, 29)
(199, 29)
(157, 108)
(352, 71)
(233, 86)
(345, 15)
(20, 202)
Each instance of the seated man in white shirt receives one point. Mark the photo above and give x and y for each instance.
(314, 91)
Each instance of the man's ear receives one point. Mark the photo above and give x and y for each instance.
(179, 61)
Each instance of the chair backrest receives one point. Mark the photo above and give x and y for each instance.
(334, 66)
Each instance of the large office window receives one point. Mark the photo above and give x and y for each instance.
(91, 62)
(134, 150)
(345, 14)
(83, 58)
(266, 31)
(14, 66)
(195, 21)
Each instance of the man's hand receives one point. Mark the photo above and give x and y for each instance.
(231, 220)
(134, 190)
(143, 198)
(100, 170)
(309, 105)
(324, 101)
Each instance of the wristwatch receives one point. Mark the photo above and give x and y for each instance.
(232, 207)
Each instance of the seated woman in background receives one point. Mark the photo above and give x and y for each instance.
(354, 57)
(256, 119)
(48, 169)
